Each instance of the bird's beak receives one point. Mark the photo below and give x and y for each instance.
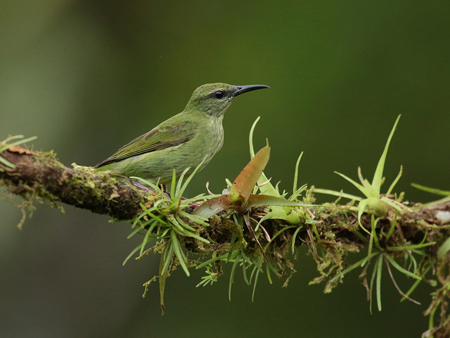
(244, 89)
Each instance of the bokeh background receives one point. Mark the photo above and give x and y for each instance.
(86, 77)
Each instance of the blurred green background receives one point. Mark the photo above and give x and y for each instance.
(86, 77)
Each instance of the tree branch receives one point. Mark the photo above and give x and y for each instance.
(330, 230)
(41, 175)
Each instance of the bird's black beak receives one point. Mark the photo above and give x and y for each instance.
(244, 89)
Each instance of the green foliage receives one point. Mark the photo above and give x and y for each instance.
(169, 222)
(374, 203)
(433, 191)
(176, 223)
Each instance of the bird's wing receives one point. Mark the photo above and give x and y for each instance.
(161, 137)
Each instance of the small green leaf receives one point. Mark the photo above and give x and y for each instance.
(131, 254)
(145, 241)
(250, 137)
(254, 285)
(293, 239)
(134, 232)
(294, 187)
(233, 269)
(337, 193)
(378, 175)
(360, 236)
(394, 223)
(431, 190)
(391, 203)
(444, 248)
(361, 208)
(269, 277)
(212, 260)
(195, 218)
(359, 263)
(179, 184)
(7, 163)
(373, 224)
(410, 247)
(395, 182)
(365, 191)
(191, 176)
(399, 268)
(166, 258)
(152, 216)
(372, 280)
(416, 283)
(379, 270)
(183, 224)
(179, 252)
(172, 186)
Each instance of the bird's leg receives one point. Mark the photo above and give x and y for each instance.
(139, 185)
(165, 189)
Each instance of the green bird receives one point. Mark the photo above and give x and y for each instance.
(183, 141)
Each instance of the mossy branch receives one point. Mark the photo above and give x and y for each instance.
(330, 231)
(40, 175)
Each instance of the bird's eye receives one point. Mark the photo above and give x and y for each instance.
(219, 94)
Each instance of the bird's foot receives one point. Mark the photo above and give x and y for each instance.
(139, 185)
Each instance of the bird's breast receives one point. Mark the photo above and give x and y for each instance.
(216, 135)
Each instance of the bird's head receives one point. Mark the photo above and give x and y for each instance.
(214, 98)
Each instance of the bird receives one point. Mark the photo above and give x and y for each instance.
(183, 141)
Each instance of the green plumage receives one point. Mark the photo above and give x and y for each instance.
(180, 142)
